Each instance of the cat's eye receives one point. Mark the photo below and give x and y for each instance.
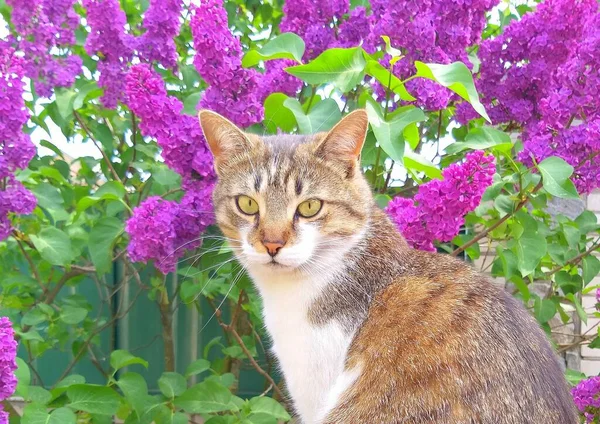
(309, 208)
(247, 205)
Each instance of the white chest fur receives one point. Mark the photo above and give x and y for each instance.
(311, 356)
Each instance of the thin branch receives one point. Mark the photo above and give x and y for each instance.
(34, 269)
(257, 367)
(498, 223)
(577, 258)
(100, 149)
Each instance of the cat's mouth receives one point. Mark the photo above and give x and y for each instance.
(275, 264)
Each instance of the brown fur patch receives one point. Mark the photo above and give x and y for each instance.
(450, 348)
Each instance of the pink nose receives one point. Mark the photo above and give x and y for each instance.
(273, 247)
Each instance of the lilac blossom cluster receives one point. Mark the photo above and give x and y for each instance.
(314, 22)
(44, 28)
(163, 230)
(438, 209)
(109, 40)
(542, 74)
(428, 31)
(162, 24)
(233, 90)
(16, 148)
(180, 137)
(8, 353)
(586, 396)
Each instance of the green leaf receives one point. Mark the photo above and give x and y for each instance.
(54, 245)
(93, 399)
(65, 99)
(36, 413)
(277, 115)
(191, 102)
(387, 79)
(544, 310)
(48, 196)
(457, 78)
(389, 49)
(591, 268)
(62, 416)
(72, 314)
(172, 384)
(578, 307)
(419, 163)
(23, 376)
(34, 317)
(285, 46)
(389, 133)
(483, 138)
(121, 359)
(322, 117)
(135, 390)
(101, 242)
(587, 222)
(197, 367)
(266, 405)
(342, 67)
(574, 377)
(555, 178)
(530, 249)
(205, 398)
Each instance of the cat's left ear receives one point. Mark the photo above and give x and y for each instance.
(224, 139)
(345, 141)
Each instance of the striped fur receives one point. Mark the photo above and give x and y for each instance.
(366, 329)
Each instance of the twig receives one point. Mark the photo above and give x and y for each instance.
(100, 149)
(229, 328)
(34, 269)
(576, 259)
(166, 320)
(498, 223)
(257, 367)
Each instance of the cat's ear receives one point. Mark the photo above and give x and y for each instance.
(345, 141)
(224, 138)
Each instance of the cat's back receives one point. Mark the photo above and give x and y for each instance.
(443, 344)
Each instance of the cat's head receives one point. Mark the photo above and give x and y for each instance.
(289, 203)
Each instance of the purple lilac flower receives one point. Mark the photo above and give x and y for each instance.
(233, 90)
(162, 23)
(8, 353)
(109, 40)
(438, 209)
(518, 65)
(180, 137)
(586, 396)
(543, 74)
(41, 27)
(313, 21)
(163, 230)
(16, 148)
(356, 30)
(276, 80)
(436, 31)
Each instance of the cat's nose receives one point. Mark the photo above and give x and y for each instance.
(273, 247)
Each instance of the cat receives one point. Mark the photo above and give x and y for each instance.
(365, 328)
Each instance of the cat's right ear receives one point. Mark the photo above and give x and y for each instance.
(224, 138)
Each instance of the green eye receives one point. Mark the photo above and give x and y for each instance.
(309, 208)
(247, 205)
